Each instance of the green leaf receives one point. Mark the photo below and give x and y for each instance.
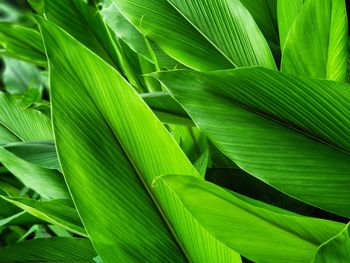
(26, 124)
(6, 136)
(22, 43)
(203, 35)
(59, 212)
(125, 31)
(243, 183)
(166, 108)
(112, 147)
(42, 153)
(287, 12)
(18, 76)
(289, 131)
(21, 218)
(85, 24)
(48, 183)
(317, 42)
(336, 249)
(260, 233)
(49, 250)
(37, 5)
(264, 13)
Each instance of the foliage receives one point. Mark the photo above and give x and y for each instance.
(174, 131)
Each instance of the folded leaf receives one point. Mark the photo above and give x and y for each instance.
(291, 132)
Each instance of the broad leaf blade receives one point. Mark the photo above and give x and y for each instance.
(26, 124)
(302, 150)
(42, 153)
(22, 43)
(115, 150)
(59, 212)
(194, 33)
(48, 183)
(48, 250)
(260, 233)
(337, 249)
(85, 24)
(317, 42)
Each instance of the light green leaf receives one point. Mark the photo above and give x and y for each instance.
(317, 42)
(262, 234)
(125, 31)
(18, 76)
(48, 183)
(166, 108)
(291, 132)
(112, 147)
(59, 212)
(337, 249)
(42, 153)
(49, 250)
(287, 12)
(26, 124)
(22, 43)
(264, 13)
(85, 24)
(243, 183)
(21, 218)
(37, 5)
(203, 35)
(6, 136)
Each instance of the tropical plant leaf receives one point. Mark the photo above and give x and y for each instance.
(6, 136)
(166, 108)
(21, 218)
(261, 233)
(125, 31)
(294, 138)
(85, 24)
(317, 41)
(22, 43)
(287, 12)
(116, 166)
(49, 250)
(48, 183)
(26, 124)
(264, 13)
(19, 76)
(193, 33)
(42, 153)
(243, 183)
(336, 249)
(59, 212)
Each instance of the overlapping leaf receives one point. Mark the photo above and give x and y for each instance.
(22, 43)
(317, 42)
(288, 131)
(48, 250)
(203, 35)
